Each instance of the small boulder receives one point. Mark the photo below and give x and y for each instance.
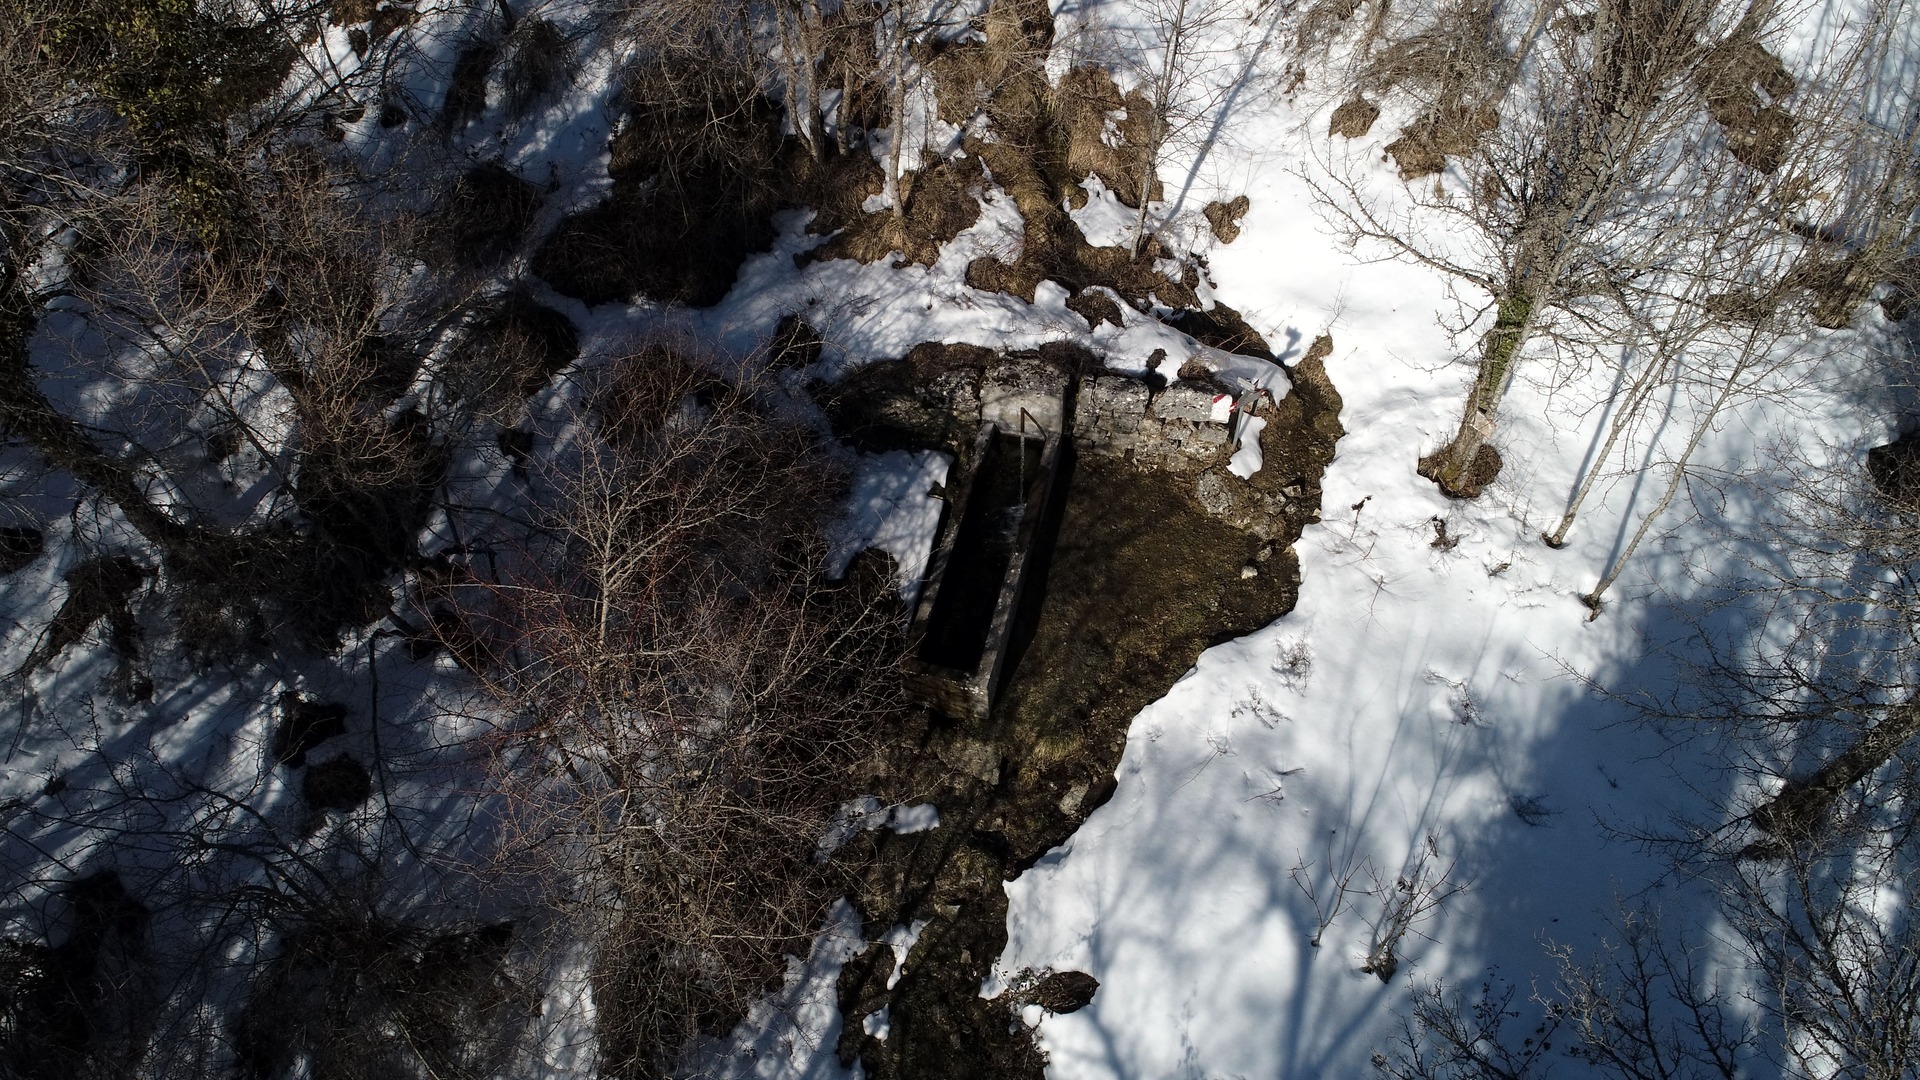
(1065, 992)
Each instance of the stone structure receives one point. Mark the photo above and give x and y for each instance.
(1178, 429)
(998, 498)
(1002, 489)
(1022, 395)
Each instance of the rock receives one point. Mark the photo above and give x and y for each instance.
(1353, 118)
(1212, 494)
(1065, 992)
(1024, 385)
(1895, 470)
(958, 389)
(339, 784)
(1109, 411)
(1184, 401)
(1070, 802)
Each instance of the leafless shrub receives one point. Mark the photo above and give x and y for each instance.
(1458, 53)
(1447, 1037)
(517, 345)
(686, 693)
(1405, 902)
(538, 64)
(1330, 897)
(1651, 1005)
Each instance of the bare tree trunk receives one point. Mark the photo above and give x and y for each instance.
(27, 414)
(1642, 387)
(1676, 480)
(897, 106)
(1800, 805)
(1171, 60)
(1513, 327)
(1583, 173)
(800, 41)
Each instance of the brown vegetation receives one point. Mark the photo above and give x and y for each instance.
(687, 693)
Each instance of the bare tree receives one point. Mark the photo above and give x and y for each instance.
(685, 693)
(1579, 197)
(1646, 1006)
(1184, 84)
(1330, 898)
(803, 40)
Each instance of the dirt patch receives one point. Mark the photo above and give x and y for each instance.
(1222, 328)
(1837, 286)
(1484, 470)
(100, 587)
(1448, 130)
(1224, 217)
(348, 997)
(467, 88)
(71, 1009)
(303, 726)
(486, 216)
(539, 59)
(20, 545)
(942, 199)
(795, 344)
(1064, 992)
(1895, 470)
(336, 784)
(1353, 118)
(1140, 579)
(696, 181)
(1106, 133)
(1454, 64)
(1096, 304)
(515, 350)
(1743, 84)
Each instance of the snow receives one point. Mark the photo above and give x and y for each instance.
(1246, 458)
(892, 508)
(792, 1034)
(1422, 705)
(1104, 220)
(866, 814)
(1423, 710)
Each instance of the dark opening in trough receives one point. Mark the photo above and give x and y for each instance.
(967, 609)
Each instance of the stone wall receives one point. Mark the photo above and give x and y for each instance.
(1031, 386)
(1172, 430)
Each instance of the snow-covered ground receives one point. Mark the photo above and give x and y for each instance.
(1425, 710)
(1428, 711)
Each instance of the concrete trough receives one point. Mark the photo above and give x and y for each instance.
(964, 621)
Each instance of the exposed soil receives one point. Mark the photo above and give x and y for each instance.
(942, 199)
(1450, 129)
(518, 346)
(1353, 118)
(487, 215)
(20, 545)
(1483, 470)
(1743, 84)
(1139, 582)
(695, 184)
(1224, 217)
